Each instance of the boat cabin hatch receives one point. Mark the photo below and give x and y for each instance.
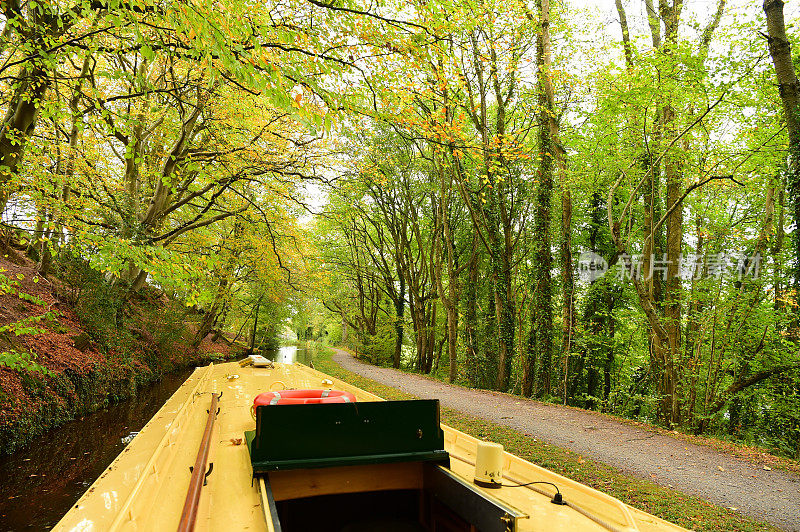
(363, 467)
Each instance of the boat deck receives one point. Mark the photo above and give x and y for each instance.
(145, 486)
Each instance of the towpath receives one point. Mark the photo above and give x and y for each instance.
(719, 477)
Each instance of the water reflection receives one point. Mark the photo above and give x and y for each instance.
(289, 354)
(41, 481)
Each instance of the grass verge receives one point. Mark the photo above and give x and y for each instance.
(759, 456)
(685, 510)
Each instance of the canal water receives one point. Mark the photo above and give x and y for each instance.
(41, 481)
(289, 354)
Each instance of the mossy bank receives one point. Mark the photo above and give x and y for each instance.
(75, 343)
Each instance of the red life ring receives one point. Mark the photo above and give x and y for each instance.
(303, 397)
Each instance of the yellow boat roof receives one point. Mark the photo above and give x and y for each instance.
(145, 486)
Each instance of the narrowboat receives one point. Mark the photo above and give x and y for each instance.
(276, 447)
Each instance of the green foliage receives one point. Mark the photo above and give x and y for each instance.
(21, 361)
(99, 305)
(169, 332)
(378, 348)
(28, 325)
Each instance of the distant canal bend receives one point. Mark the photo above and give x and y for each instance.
(41, 481)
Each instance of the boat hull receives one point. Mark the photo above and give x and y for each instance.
(144, 488)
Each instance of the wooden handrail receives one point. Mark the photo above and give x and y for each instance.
(189, 513)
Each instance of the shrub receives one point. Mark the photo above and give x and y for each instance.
(21, 361)
(168, 327)
(98, 304)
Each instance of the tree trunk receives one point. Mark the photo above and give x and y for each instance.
(454, 291)
(789, 90)
(471, 316)
(251, 350)
(540, 341)
(592, 382)
(505, 338)
(20, 123)
(219, 325)
(399, 310)
(610, 329)
(565, 256)
(777, 247)
(489, 335)
(156, 212)
(450, 297)
(41, 216)
(66, 168)
(431, 342)
(210, 317)
(672, 287)
(692, 339)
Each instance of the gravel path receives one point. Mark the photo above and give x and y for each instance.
(718, 477)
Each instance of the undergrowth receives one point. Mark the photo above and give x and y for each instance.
(672, 505)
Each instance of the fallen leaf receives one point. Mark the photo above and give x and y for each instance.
(720, 468)
(766, 468)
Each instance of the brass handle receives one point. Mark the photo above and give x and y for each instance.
(272, 386)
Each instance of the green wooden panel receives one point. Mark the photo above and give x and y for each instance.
(326, 435)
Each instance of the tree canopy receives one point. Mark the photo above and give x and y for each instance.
(590, 205)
